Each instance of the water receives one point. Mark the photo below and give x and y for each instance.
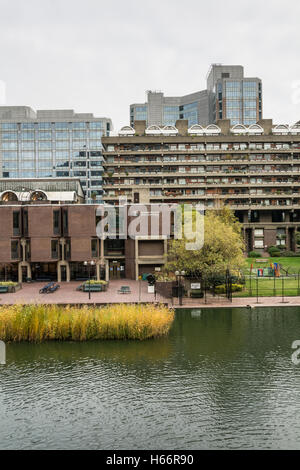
(223, 379)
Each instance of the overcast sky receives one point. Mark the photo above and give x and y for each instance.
(99, 56)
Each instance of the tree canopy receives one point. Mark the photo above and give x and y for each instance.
(223, 246)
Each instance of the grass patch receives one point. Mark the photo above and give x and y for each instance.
(266, 285)
(37, 323)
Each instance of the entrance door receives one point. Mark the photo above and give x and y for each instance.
(24, 273)
(63, 273)
(114, 270)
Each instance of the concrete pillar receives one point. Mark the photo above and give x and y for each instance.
(107, 270)
(98, 264)
(66, 264)
(20, 265)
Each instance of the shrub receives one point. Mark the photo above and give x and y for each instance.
(38, 323)
(288, 254)
(254, 254)
(222, 289)
(274, 251)
(93, 282)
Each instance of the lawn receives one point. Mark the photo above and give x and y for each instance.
(267, 286)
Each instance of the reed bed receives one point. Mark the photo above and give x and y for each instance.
(37, 323)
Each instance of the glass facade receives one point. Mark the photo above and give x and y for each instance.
(241, 98)
(170, 115)
(189, 112)
(54, 149)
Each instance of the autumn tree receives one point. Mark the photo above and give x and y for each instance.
(223, 246)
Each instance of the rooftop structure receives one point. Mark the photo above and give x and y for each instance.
(229, 95)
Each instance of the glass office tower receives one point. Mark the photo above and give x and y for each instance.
(228, 95)
(56, 143)
(233, 96)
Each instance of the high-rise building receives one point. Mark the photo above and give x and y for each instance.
(233, 96)
(229, 95)
(161, 110)
(255, 170)
(53, 143)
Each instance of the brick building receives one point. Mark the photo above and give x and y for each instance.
(45, 239)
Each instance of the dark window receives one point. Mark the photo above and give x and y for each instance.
(16, 223)
(68, 249)
(114, 247)
(27, 251)
(25, 223)
(225, 75)
(254, 216)
(54, 249)
(94, 247)
(15, 249)
(65, 222)
(278, 216)
(56, 222)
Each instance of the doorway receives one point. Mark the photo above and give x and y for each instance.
(63, 273)
(116, 269)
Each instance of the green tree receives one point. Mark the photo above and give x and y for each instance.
(223, 246)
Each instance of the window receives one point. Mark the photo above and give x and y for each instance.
(9, 126)
(25, 223)
(68, 249)
(16, 223)
(65, 222)
(44, 125)
(79, 125)
(96, 125)
(54, 249)
(56, 222)
(15, 249)
(259, 232)
(94, 247)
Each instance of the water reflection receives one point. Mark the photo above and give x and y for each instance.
(222, 379)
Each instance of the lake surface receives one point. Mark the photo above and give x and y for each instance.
(222, 379)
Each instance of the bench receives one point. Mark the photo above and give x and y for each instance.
(261, 260)
(53, 289)
(124, 290)
(92, 288)
(3, 289)
(196, 294)
(44, 290)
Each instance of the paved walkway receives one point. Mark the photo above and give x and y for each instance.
(240, 302)
(67, 294)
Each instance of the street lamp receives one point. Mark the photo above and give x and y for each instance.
(89, 264)
(179, 274)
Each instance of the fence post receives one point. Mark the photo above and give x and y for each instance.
(257, 291)
(282, 293)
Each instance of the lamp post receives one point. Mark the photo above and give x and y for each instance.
(89, 264)
(140, 278)
(179, 274)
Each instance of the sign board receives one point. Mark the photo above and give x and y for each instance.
(196, 285)
(150, 289)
